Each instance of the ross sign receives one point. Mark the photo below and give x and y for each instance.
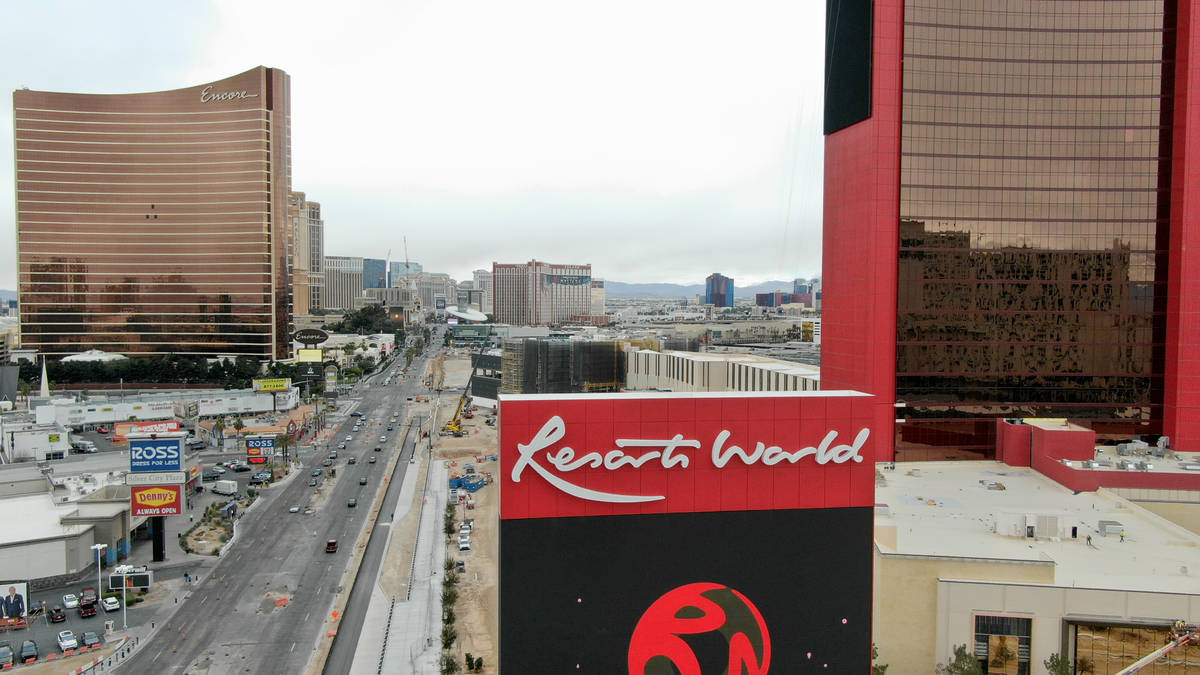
(156, 500)
(156, 478)
(310, 336)
(716, 499)
(272, 384)
(155, 454)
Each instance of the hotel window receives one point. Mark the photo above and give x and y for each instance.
(1002, 644)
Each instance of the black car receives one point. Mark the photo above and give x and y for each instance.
(356, 414)
(352, 502)
(56, 614)
(362, 480)
(209, 477)
(352, 460)
(29, 650)
(389, 427)
(6, 654)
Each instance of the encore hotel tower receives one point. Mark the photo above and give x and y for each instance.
(156, 223)
(1012, 217)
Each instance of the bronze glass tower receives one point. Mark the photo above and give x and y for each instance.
(156, 223)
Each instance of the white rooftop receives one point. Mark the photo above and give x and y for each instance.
(30, 517)
(947, 509)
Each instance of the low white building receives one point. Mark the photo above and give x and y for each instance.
(24, 439)
(692, 371)
(1017, 568)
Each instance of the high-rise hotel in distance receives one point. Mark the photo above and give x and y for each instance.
(156, 223)
(1012, 217)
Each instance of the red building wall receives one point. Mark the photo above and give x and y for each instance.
(1181, 397)
(861, 238)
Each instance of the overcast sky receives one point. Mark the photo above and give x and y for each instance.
(658, 141)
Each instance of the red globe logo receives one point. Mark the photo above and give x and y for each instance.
(700, 628)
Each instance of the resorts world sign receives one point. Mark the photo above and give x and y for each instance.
(715, 500)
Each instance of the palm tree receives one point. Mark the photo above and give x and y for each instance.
(219, 430)
(284, 442)
(238, 425)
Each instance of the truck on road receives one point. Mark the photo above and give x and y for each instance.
(225, 487)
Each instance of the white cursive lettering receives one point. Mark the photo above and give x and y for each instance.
(206, 95)
(565, 459)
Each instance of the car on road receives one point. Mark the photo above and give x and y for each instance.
(90, 639)
(331, 546)
(6, 655)
(295, 508)
(29, 650)
(341, 446)
(312, 482)
(382, 439)
(389, 427)
(349, 438)
(362, 480)
(352, 502)
(56, 614)
(377, 448)
(315, 473)
(70, 601)
(66, 640)
(333, 455)
(102, 430)
(372, 459)
(327, 462)
(356, 414)
(352, 460)
(111, 603)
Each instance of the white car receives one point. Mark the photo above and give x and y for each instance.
(464, 545)
(295, 509)
(66, 640)
(382, 439)
(70, 601)
(349, 438)
(218, 469)
(110, 604)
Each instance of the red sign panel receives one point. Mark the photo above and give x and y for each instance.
(156, 500)
(256, 460)
(611, 454)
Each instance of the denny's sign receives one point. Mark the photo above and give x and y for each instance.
(598, 454)
(156, 500)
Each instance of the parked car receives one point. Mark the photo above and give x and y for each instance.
(102, 430)
(70, 601)
(90, 639)
(29, 650)
(209, 476)
(111, 604)
(86, 611)
(56, 614)
(241, 467)
(218, 469)
(331, 546)
(7, 658)
(464, 545)
(66, 640)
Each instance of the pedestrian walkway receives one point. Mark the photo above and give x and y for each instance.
(404, 636)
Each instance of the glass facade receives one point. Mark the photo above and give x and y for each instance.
(155, 223)
(1034, 187)
(1107, 650)
(1002, 644)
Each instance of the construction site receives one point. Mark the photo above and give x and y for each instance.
(533, 366)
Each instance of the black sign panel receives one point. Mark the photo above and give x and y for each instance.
(788, 591)
(848, 51)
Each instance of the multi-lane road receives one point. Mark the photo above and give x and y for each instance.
(266, 605)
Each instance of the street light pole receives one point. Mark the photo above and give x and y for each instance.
(98, 548)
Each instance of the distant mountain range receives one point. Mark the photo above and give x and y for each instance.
(621, 289)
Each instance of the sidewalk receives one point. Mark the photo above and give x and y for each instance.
(410, 641)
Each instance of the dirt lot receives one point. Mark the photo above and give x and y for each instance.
(206, 538)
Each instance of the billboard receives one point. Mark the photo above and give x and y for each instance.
(272, 384)
(131, 581)
(259, 448)
(568, 280)
(439, 303)
(14, 602)
(727, 531)
(123, 429)
(156, 500)
(331, 374)
(155, 454)
(309, 356)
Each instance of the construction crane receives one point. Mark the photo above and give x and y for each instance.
(1182, 635)
(454, 426)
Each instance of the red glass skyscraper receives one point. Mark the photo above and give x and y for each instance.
(1010, 222)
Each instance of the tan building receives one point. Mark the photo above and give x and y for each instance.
(308, 253)
(540, 294)
(156, 223)
(1016, 567)
(692, 371)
